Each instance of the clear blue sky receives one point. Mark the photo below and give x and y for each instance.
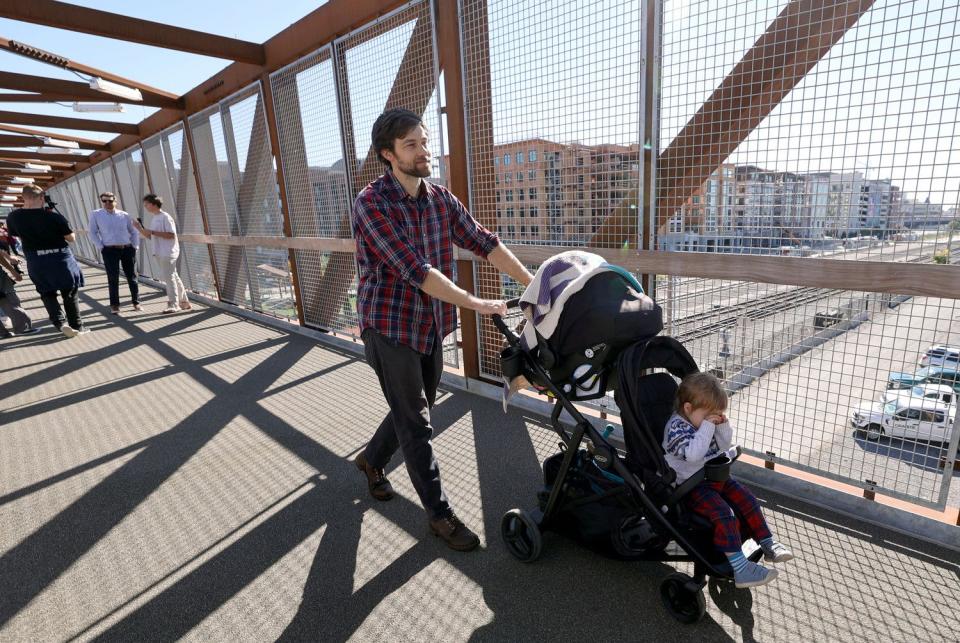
(174, 71)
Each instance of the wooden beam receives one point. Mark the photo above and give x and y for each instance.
(41, 156)
(919, 279)
(16, 140)
(41, 97)
(13, 140)
(308, 34)
(65, 122)
(79, 91)
(89, 142)
(36, 53)
(62, 15)
(19, 164)
(925, 280)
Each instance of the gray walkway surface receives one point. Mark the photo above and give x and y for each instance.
(189, 476)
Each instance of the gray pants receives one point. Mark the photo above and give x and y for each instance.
(176, 293)
(409, 382)
(10, 304)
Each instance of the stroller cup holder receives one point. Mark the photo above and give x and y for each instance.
(717, 469)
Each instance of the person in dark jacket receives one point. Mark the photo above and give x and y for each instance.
(46, 238)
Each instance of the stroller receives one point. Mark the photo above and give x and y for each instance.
(625, 506)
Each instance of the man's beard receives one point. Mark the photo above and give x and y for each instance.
(413, 170)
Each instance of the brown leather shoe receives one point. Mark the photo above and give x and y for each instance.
(377, 483)
(457, 534)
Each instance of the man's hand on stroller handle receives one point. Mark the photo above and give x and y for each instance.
(490, 306)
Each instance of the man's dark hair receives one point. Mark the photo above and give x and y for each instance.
(153, 199)
(391, 125)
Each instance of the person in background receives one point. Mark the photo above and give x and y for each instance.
(162, 230)
(46, 238)
(115, 236)
(9, 301)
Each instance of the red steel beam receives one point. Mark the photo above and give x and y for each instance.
(448, 53)
(35, 53)
(89, 142)
(62, 15)
(16, 140)
(40, 97)
(42, 157)
(79, 91)
(65, 122)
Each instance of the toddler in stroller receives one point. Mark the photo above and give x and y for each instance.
(578, 346)
(697, 433)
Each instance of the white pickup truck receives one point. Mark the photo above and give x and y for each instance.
(923, 412)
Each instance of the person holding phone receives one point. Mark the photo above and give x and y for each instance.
(162, 230)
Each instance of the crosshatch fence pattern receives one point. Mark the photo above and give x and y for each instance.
(837, 147)
(554, 128)
(824, 131)
(170, 168)
(316, 181)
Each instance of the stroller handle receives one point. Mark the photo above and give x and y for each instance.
(511, 336)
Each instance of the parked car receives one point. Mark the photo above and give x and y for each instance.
(941, 356)
(913, 418)
(928, 375)
(938, 392)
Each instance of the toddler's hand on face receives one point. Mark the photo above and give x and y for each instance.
(717, 418)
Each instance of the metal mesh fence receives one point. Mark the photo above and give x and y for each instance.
(258, 204)
(88, 201)
(389, 63)
(170, 168)
(809, 370)
(813, 130)
(132, 185)
(844, 144)
(316, 183)
(240, 196)
(554, 125)
(834, 148)
(216, 178)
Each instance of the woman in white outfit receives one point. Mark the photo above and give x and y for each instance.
(162, 230)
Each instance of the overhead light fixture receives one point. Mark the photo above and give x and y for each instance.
(22, 179)
(58, 150)
(12, 190)
(116, 89)
(97, 107)
(35, 168)
(60, 143)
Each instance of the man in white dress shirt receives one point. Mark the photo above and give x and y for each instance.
(116, 238)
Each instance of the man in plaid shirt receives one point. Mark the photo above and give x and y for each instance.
(405, 229)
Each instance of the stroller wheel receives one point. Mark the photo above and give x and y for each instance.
(684, 603)
(521, 535)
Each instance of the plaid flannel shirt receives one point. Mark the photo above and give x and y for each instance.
(399, 238)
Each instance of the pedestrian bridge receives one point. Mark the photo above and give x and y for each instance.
(778, 176)
(189, 476)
